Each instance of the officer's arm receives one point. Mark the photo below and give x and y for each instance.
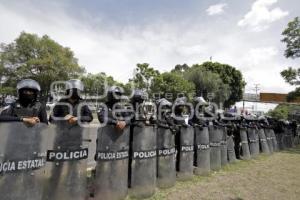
(7, 116)
(86, 114)
(43, 115)
(103, 117)
(58, 111)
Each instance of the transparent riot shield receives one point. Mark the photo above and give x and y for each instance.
(67, 162)
(279, 139)
(263, 142)
(143, 161)
(112, 154)
(291, 138)
(253, 142)
(22, 161)
(231, 149)
(215, 147)
(166, 158)
(274, 141)
(244, 143)
(224, 157)
(297, 136)
(185, 163)
(269, 139)
(202, 153)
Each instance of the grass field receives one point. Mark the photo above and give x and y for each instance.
(267, 177)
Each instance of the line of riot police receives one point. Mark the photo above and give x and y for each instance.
(140, 144)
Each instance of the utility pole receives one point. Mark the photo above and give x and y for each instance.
(257, 88)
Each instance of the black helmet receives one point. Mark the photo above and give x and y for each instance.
(139, 96)
(114, 94)
(180, 101)
(74, 84)
(74, 87)
(163, 106)
(200, 101)
(180, 105)
(28, 84)
(163, 102)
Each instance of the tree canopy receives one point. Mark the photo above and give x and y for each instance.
(231, 77)
(172, 85)
(292, 40)
(208, 82)
(39, 58)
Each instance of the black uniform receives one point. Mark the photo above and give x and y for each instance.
(17, 111)
(61, 111)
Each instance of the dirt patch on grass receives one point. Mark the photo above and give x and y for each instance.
(266, 177)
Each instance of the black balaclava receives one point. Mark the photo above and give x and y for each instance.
(26, 99)
(74, 94)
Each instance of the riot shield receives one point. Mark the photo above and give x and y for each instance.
(22, 161)
(263, 141)
(67, 162)
(279, 139)
(274, 140)
(269, 139)
(185, 154)
(291, 138)
(224, 157)
(143, 161)
(244, 143)
(253, 142)
(297, 136)
(112, 154)
(215, 147)
(202, 153)
(230, 149)
(285, 138)
(166, 160)
(257, 139)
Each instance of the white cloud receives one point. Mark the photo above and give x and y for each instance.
(256, 56)
(216, 9)
(261, 15)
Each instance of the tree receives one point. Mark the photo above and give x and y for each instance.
(291, 76)
(180, 68)
(94, 84)
(292, 40)
(231, 77)
(171, 85)
(208, 82)
(144, 74)
(282, 111)
(38, 58)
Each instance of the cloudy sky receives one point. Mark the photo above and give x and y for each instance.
(113, 35)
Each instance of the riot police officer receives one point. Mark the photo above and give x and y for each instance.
(112, 147)
(144, 110)
(69, 138)
(166, 158)
(121, 119)
(184, 138)
(27, 108)
(68, 108)
(142, 171)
